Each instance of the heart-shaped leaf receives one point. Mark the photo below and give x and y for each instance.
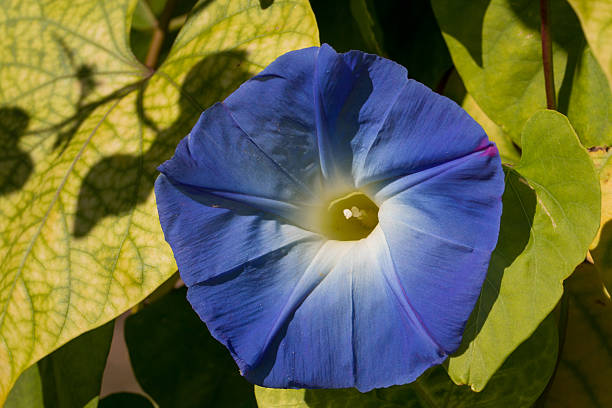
(551, 209)
(85, 125)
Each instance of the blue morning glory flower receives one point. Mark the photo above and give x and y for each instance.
(333, 221)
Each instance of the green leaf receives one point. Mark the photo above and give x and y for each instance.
(596, 19)
(176, 360)
(70, 377)
(585, 367)
(145, 15)
(86, 125)
(590, 102)
(343, 398)
(550, 216)
(499, 57)
(367, 25)
(338, 26)
(518, 383)
(507, 150)
(27, 392)
(455, 90)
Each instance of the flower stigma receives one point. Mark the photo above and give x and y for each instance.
(349, 218)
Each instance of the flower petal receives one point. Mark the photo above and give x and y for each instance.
(422, 129)
(207, 158)
(294, 309)
(276, 110)
(329, 117)
(208, 241)
(340, 320)
(440, 234)
(459, 201)
(250, 310)
(353, 92)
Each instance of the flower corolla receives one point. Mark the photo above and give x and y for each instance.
(333, 221)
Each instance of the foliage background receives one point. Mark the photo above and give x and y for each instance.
(94, 94)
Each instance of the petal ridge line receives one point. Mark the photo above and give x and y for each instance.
(437, 169)
(450, 241)
(406, 305)
(264, 153)
(225, 275)
(295, 299)
(382, 123)
(270, 206)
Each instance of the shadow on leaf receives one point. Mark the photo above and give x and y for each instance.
(15, 164)
(470, 34)
(118, 183)
(519, 205)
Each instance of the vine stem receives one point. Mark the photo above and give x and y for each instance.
(159, 34)
(549, 79)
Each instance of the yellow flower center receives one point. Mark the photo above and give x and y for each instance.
(349, 218)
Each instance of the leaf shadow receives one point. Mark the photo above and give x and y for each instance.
(519, 206)
(201, 5)
(264, 4)
(117, 184)
(87, 84)
(471, 32)
(83, 107)
(15, 164)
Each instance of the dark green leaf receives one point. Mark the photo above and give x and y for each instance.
(178, 362)
(403, 30)
(70, 377)
(27, 392)
(412, 38)
(125, 400)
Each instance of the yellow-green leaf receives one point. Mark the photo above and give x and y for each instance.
(85, 125)
(497, 49)
(596, 20)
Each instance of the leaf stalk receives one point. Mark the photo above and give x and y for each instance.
(547, 60)
(159, 34)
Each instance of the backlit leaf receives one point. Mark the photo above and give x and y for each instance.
(498, 54)
(86, 125)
